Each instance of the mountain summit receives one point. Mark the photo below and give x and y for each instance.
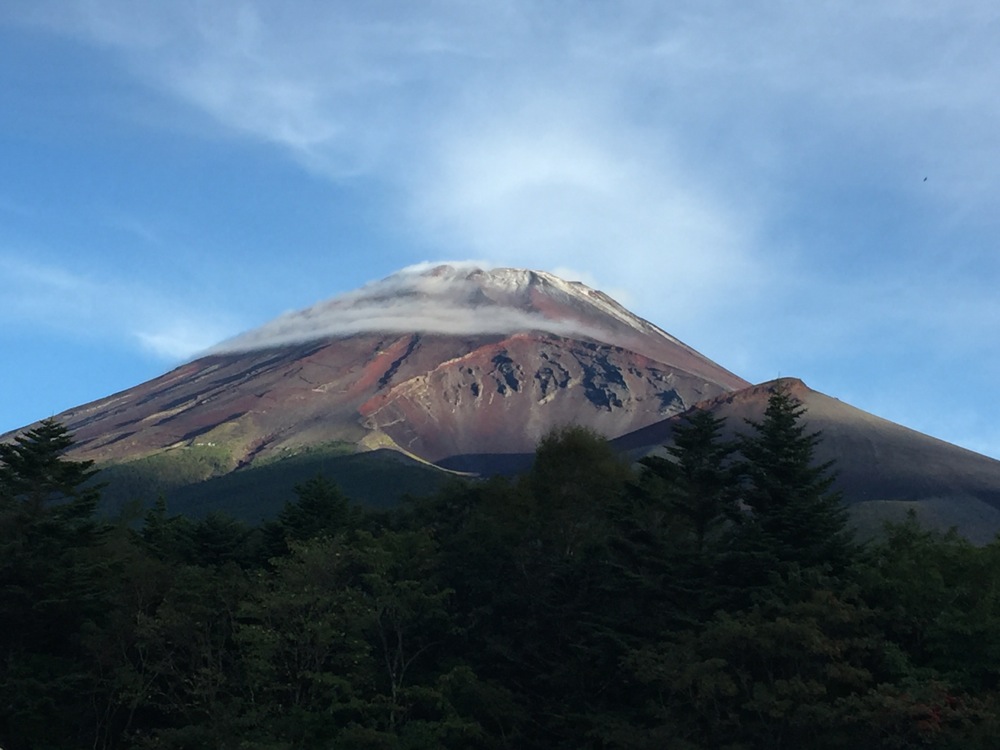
(435, 362)
(465, 300)
(467, 368)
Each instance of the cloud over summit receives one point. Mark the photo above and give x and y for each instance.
(452, 299)
(751, 177)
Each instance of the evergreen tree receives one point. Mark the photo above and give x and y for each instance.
(795, 516)
(321, 508)
(35, 472)
(700, 482)
(168, 538)
(52, 588)
(220, 539)
(671, 528)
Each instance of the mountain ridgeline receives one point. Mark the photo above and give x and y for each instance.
(434, 364)
(297, 569)
(451, 368)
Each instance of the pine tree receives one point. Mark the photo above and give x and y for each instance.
(321, 508)
(700, 480)
(52, 587)
(796, 518)
(35, 472)
(672, 528)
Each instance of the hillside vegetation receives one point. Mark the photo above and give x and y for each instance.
(712, 599)
(199, 480)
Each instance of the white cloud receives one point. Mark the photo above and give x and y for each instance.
(417, 300)
(348, 85)
(516, 131)
(508, 136)
(570, 189)
(37, 294)
(42, 292)
(180, 339)
(406, 317)
(675, 151)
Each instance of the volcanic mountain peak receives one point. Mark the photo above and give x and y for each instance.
(463, 299)
(438, 361)
(519, 287)
(468, 368)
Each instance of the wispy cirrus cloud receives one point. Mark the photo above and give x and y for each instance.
(38, 295)
(666, 134)
(755, 174)
(327, 78)
(500, 130)
(178, 337)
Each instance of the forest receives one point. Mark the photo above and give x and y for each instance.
(714, 597)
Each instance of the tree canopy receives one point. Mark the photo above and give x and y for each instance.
(711, 597)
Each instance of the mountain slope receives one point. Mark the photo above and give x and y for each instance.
(883, 469)
(433, 362)
(463, 368)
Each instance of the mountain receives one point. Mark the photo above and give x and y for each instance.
(454, 367)
(436, 363)
(883, 469)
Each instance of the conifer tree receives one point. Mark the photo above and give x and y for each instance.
(168, 538)
(673, 527)
(795, 515)
(34, 471)
(700, 481)
(51, 586)
(321, 508)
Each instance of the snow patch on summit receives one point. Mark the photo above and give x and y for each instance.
(456, 299)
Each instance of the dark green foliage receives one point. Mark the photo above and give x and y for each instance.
(168, 537)
(190, 480)
(938, 597)
(51, 587)
(34, 473)
(713, 600)
(576, 477)
(669, 541)
(700, 484)
(776, 673)
(794, 520)
(321, 509)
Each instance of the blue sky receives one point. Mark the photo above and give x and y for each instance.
(798, 189)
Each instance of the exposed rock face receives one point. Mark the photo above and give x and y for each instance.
(502, 397)
(438, 362)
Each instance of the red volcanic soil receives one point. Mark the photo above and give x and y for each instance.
(433, 395)
(503, 397)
